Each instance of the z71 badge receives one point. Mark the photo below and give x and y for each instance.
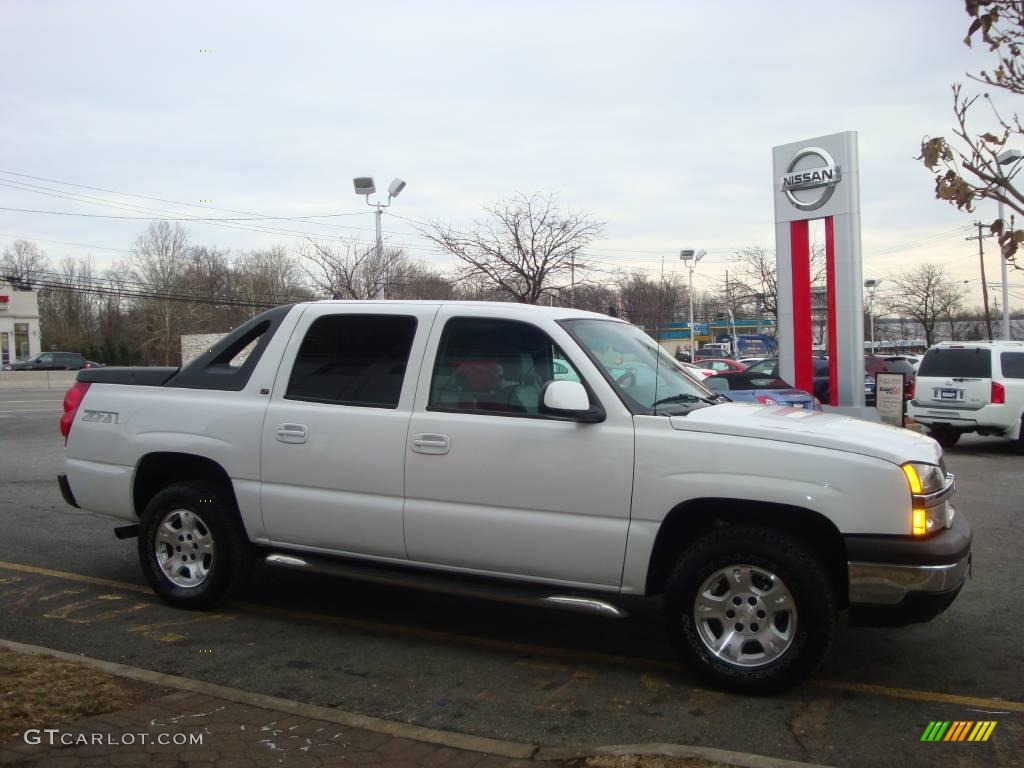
(103, 417)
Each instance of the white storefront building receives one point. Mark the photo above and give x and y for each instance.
(19, 322)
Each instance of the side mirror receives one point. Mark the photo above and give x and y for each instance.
(569, 400)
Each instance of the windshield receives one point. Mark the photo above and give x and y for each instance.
(647, 378)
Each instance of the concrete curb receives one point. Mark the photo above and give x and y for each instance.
(510, 749)
(723, 756)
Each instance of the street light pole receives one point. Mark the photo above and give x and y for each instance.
(691, 257)
(871, 284)
(364, 185)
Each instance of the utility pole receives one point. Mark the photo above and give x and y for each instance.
(572, 279)
(984, 283)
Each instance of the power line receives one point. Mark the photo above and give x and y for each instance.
(9, 236)
(145, 209)
(177, 202)
(166, 218)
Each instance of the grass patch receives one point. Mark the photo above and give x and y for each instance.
(44, 692)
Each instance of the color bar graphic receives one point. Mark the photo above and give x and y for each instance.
(958, 730)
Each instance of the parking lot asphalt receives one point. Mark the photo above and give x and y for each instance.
(519, 673)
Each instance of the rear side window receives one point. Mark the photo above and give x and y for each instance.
(765, 368)
(945, 363)
(900, 366)
(353, 360)
(1013, 364)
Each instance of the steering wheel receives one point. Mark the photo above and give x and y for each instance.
(630, 376)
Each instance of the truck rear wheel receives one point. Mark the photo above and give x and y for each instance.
(192, 546)
(750, 610)
(945, 436)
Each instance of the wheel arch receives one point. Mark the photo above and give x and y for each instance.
(155, 471)
(690, 520)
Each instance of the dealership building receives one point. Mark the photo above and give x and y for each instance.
(19, 321)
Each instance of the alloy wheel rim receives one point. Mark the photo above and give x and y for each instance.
(745, 616)
(184, 548)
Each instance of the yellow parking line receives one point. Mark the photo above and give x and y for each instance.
(1005, 705)
(74, 577)
(509, 646)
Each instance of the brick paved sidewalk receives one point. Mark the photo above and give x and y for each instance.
(232, 735)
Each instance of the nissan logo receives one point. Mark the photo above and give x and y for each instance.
(824, 177)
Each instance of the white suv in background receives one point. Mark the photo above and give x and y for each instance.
(975, 386)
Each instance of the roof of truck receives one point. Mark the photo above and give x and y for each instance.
(506, 307)
(979, 344)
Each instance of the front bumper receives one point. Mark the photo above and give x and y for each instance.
(897, 580)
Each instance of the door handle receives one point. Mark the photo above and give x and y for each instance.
(291, 433)
(431, 443)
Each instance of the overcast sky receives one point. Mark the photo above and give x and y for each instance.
(657, 117)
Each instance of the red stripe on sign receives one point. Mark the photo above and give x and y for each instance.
(830, 294)
(800, 265)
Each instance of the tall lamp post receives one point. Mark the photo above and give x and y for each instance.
(1006, 157)
(691, 257)
(871, 284)
(364, 185)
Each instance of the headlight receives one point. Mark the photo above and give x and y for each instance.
(924, 478)
(927, 515)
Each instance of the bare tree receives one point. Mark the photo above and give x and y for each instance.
(757, 277)
(651, 302)
(925, 295)
(66, 306)
(159, 263)
(23, 261)
(414, 280)
(593, 297)
(350, 270)
(268, 276)
(967, 168)
(527, 246)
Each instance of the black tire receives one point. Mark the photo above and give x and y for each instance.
(211, 512)
(945, 437)
(791, 563)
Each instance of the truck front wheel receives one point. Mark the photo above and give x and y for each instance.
(750, 609)
(192, 547)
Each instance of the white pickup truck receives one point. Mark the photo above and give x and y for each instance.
(539, 455)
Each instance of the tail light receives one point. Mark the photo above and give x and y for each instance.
(765, 400)
(910, 389)
(998, 393)
(72, 399)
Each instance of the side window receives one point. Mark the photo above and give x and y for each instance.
(561, 369)
(1013, 364)
(46, 359)
(495, 366)
(353, 360)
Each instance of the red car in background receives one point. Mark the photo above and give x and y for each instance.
(721, 365)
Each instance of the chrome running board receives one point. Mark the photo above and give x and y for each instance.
(424, 580)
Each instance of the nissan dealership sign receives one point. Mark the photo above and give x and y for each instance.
(818, 179)
(812, 168)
